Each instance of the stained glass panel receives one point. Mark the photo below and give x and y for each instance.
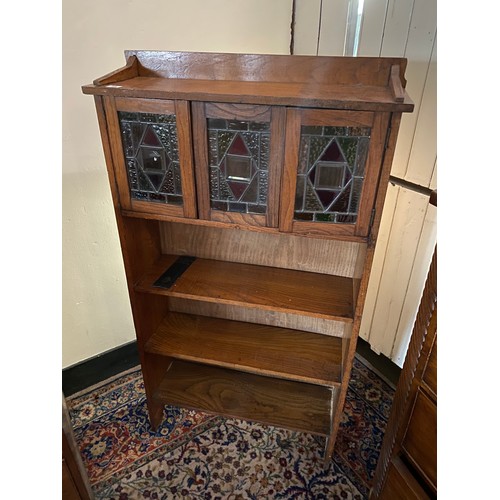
(330, 173)
(238, 153)
(151, 154)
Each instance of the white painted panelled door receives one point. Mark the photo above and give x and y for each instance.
(397, 28)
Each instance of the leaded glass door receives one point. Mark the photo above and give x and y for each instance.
(332, 166)
(238, 153)
(153, 155)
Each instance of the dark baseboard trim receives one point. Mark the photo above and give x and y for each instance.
(94, 370)
(387, 368)
(101, 367)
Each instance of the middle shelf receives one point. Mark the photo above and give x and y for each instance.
(267, 288)
(250, 347)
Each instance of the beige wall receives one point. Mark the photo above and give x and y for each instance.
(96, 312)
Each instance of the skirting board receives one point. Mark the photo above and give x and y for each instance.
(96, 369)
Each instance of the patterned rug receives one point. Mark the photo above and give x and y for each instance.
(199, 456)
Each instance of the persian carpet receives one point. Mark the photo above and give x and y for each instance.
(200, 456)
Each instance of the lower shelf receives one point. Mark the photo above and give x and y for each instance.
(284, 403)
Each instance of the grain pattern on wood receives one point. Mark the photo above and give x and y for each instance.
(261, 349)
(394, 124)
(185, 140)
(75, 481)
(201, 159)
(264, 317)
(141, 251)
(238, 218)
(322, 296)
(275, 250)
(157, 208)
(430, 373)
(108, 156)
(276, 158)
(148, 311)
(421, 447)
(346, 343)
(423, 336)
(395, 84)
(272, 68)
(69, 490)
(284, 403)
(322, 117)
(115, 143)
(140, 245)
(373, 170)
(130, 70)
(361, 295)
(289, 175)
(317, 229)
(138, 105)
(153, 368)
(358, 273)
(401, 484)
(238, 112)
(321, 95)
(226, 225)
(358, 267)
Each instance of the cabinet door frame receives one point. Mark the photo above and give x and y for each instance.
(202, 111)
(181, 110)
(295, 119)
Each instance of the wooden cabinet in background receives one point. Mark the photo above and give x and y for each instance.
(407, 466)
(75, 482)
(248, 192)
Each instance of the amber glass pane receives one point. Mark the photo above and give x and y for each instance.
(330, 173)
(151, 154)
(238, 153)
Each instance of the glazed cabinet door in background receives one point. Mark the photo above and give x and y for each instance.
(152, 155)
(238, 157)
(331, 172)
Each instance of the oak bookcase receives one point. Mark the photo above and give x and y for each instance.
(248, 192)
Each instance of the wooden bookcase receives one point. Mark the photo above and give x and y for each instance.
(248, 192)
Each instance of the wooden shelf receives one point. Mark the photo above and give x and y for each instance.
(284, 403)
(268, 288)
(261, 349)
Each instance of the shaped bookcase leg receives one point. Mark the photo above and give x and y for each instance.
(154, 368)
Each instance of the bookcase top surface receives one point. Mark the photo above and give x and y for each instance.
(368, 83)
